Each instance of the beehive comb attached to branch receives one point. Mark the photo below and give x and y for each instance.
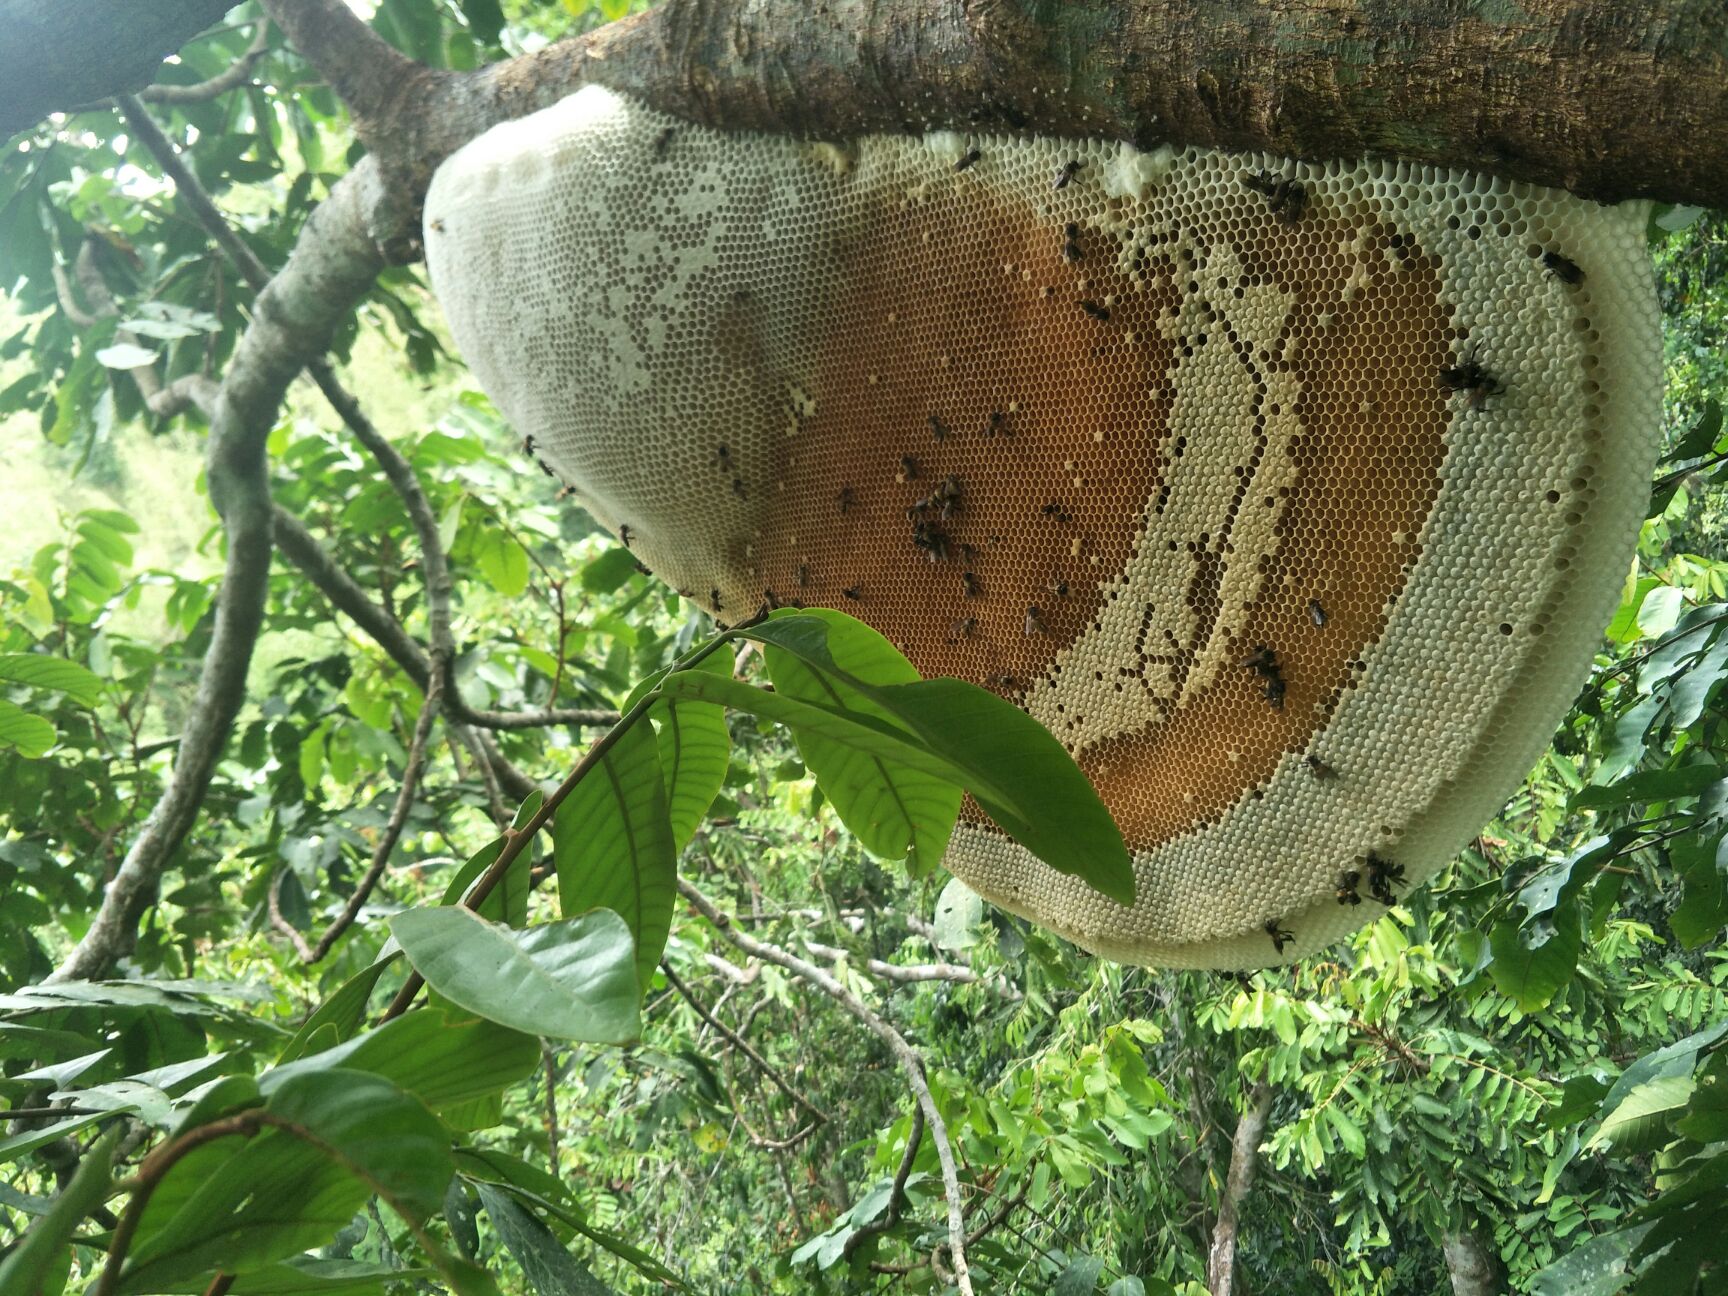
(1292, 498)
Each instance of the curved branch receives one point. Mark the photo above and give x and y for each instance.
(331, 268)
(411, 772)
(233, 76)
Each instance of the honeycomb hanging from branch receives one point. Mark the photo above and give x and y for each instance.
(1292, 498)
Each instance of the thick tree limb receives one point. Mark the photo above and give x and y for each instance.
(1595, 96)
(1471, 1263)
(910, 1062)
(1244, 1158)
(55, 55)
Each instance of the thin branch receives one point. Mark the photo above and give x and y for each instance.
(896, 1193)
(411, 773)
(231, 77)
(280, 922)
(742, 1045)
(912, 973)
(910, 1061)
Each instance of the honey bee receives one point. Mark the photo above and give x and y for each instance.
(714, 598)
(939, 432)
(1316, 613)
(662, 141)
(545, 467)
(967, 158)
(1563, 268)
(1058, 587)
(738, 488)
(844, 498)
(1347, 883)
(1383, 874)
(994, 424)
(1094, 310)
(1287, 198)
(962, 629)
(1280, 936)
(1317, 767)
(528, 444)
(804, 575)
(436, 226)
(853, 592)
(624, 534)
(1034, 621)
(909, 466)
(1071, 251)
(722, 457)
(1471, 378)
(1055, 509)
(969, 585)
(1065, 173)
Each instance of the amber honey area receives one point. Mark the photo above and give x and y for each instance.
(995, 446)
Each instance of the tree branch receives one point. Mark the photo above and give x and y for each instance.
(231, 77)
(896, 1191)
(411, 772)
(331, 267)
(910, 1061)
(742, 1045)
(1244, 1157)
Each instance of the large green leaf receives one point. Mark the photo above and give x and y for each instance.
(306, 1276)
(441, 1062)
(30, 735)
(549, 1268)
(42, 1252)
(893, 809)
(42, 671)
(695, 747)
(1019, 773)
(331, 1140)
(612, 843)
(1642, 1120)
(574, 979)
(1530, 969)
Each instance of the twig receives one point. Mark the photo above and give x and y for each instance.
(896, 1193)
(230, 78)
(548, 1065)
(281, 923)
(910, 1061)
(411, 773)
(742, 1045)
(912, 973)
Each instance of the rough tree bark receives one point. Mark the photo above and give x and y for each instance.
(1471, 1263)
(1244, 1158)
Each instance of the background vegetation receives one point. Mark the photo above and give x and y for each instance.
(1527, 1051)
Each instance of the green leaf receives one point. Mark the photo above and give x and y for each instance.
(1079, 1278)
(548, 1267)
(304, 1276)
(502, 561)
(345, 1010)
(574, 979)
(442, 1062)
(1700, 440)
(31, 735)
(330, 1140)
(1649, 785)
(1596, 1268)
(609, 571)
(1020, 774)
(1531, 974)
(695, 747)
(1641, 1120)
(42, 671)
(893, 809)
(612, 844)
(44, 1250)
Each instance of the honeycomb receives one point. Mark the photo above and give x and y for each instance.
(1292, 498)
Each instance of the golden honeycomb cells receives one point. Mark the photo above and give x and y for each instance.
(1292, 498)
